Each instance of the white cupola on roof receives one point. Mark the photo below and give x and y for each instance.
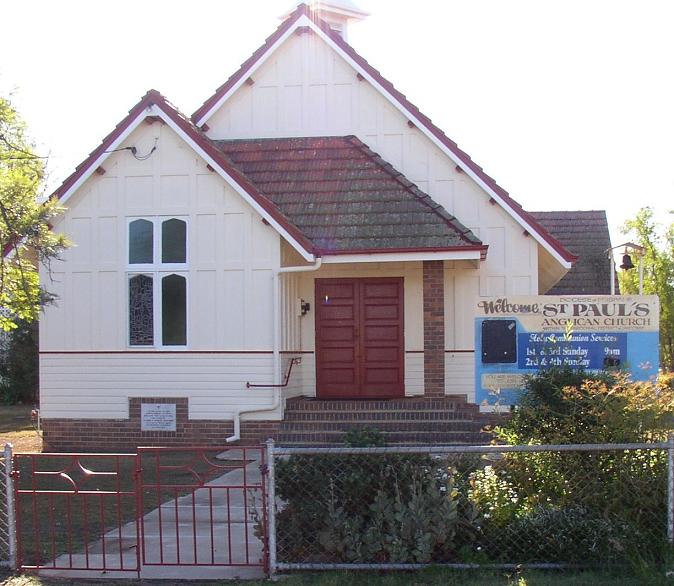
(337, 13)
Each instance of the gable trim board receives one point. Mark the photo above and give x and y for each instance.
(304, 17)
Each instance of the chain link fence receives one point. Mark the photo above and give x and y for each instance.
(470, 506)
(7, 532)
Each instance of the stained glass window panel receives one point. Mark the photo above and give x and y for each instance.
(141, 321)
(174, 310)
(173, 241)
(140, 242)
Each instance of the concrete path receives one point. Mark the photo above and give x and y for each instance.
(207, 526)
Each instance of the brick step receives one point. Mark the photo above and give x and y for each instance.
(356, 416)
(406, 421)
(325, 438)
(382, 426)
(410, 404)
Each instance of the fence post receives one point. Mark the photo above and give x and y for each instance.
(271, 506)
(11, 510)
(670, 488)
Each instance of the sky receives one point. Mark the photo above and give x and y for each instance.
(568, 104)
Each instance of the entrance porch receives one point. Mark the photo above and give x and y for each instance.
(384, 330)
(379, 351)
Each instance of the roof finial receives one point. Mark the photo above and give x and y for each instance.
(337, 13)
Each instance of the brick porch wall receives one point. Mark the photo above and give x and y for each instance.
(434, 328)
(125, 435)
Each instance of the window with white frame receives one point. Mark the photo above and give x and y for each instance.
(157, 281)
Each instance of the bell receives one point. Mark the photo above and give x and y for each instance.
(627, 263)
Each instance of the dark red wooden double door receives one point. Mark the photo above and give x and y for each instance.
(359, 338)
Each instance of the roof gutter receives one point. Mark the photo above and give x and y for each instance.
(276, 297)
(474, 253)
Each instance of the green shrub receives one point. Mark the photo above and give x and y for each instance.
(561, 406)
(366, 437)
(495, 497)
(573, 534)
(624, 489)
(384, 508)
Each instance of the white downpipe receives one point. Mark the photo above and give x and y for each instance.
(276, 299)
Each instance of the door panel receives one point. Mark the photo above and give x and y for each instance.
(382, 356)
(336, 342)
(359, 338)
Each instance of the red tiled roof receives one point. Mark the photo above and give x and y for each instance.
(304, 10)
(345, 198)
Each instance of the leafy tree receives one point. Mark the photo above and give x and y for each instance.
(658, 268)
(19, 365)
(25, 236)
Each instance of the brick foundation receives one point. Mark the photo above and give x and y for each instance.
(125, 435)
(434, 328)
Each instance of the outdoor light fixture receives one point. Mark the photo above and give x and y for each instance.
(629, 249)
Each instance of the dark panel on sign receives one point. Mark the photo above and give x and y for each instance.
(499, 341)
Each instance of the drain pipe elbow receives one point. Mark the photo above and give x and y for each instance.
(318, 262)
(237, 415)
(237, 428)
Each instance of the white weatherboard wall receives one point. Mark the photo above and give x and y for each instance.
(86, 366)
(306, 89)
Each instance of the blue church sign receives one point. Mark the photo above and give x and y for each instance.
(516, 336)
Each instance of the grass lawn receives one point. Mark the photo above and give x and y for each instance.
(431, 577)
(17, 429)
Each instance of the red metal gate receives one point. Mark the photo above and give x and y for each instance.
(197, 506)
(207, 506)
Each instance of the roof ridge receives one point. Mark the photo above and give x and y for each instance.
(452, 221)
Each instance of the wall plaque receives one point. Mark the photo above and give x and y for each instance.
(157, 416)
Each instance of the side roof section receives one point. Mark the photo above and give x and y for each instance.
(586, 234)
(153, 104)
(303, 16)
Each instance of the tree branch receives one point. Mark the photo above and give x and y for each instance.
(13, 147)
